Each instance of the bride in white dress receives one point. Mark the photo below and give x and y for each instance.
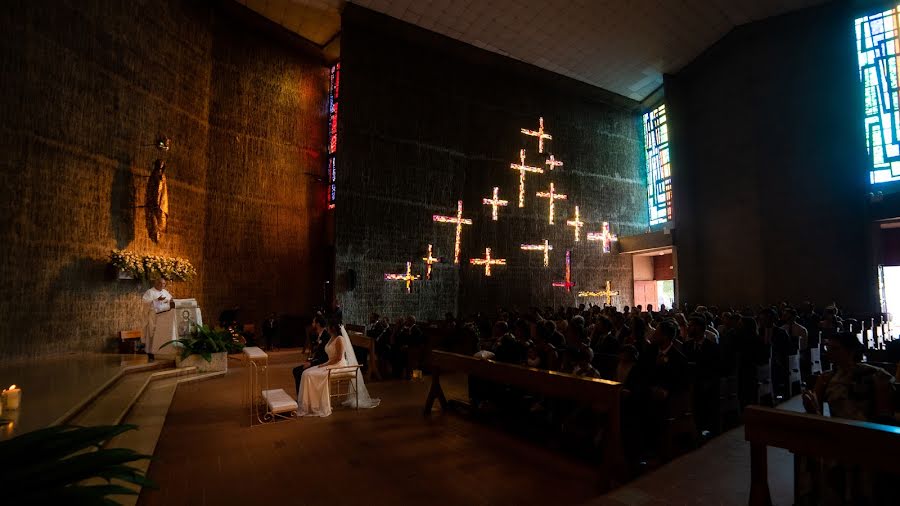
(313, 396)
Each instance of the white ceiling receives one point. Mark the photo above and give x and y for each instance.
(623, 46)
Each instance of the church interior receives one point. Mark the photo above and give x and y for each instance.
(580, 252)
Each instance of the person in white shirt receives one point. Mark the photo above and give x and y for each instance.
(156, 300)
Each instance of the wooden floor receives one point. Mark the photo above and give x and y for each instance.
(207, 454)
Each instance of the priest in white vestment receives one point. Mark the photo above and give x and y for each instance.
(156, 300)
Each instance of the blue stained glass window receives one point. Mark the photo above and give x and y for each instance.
(877, 47)
(659, 171)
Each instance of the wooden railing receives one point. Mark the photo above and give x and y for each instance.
(845, 441)
(603, 395)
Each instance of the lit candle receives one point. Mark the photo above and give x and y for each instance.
(12, 396)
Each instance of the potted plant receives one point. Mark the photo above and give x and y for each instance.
(205, 348)
(59, 465)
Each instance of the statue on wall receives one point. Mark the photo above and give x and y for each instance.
(157, 201)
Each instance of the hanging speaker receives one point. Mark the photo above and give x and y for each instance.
(351, 280)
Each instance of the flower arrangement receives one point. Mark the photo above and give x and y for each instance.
(150, 266)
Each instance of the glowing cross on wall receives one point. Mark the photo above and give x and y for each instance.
(539, 133)
(522, 168)
(459, 221)
(408, 277)
(605, 236)
(487, 261)
(608, 293)
(568, 283)
(494, 203)
(553, 196)
(577, 224)
(429, 260)
(553, 163)
(546, 247)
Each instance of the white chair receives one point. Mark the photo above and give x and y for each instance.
(340, 380)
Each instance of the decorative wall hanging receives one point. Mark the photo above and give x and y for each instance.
(568, 283)
(156, 200)
(429, 260)
(495, 203)
(552, 196)
(553, 162)
(605, 236)
(487, 261)
(546, 247)
(608, 293)
(459, 221)
(408, 277)
(522, 168)
(577, 224)
(539, 133)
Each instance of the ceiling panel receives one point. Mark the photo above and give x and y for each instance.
(621, 46)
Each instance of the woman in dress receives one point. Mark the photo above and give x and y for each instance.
(313, 396)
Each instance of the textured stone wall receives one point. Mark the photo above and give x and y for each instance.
(770, 169)
(87, 86)
(426, 121)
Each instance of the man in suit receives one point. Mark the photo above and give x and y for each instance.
(317, 355)
(782, 348)
(664, 372)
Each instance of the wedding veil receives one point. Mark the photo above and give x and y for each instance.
(365, 401)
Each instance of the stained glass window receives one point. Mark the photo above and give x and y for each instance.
(333, 98)
(659, 172)
(877, 48)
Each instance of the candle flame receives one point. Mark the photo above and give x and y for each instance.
(12, 387)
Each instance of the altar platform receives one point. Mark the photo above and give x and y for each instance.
(52, 387)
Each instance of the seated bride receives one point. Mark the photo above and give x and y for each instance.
(313, 396)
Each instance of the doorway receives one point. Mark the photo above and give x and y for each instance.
(890, 292)
(654, 278)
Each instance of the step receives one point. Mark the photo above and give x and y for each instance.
(107, 408)
(149, 414)
(68, 418)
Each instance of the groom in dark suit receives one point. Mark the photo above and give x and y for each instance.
(318, 355)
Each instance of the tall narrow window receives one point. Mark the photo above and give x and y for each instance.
(878, 49)
(659, 172)
(333, 98)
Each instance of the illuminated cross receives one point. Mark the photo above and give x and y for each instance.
(429, 260)
(495, 203)
(546, 247)
(568, 283)
(553, 162)
(605, 236)
(608, 293)
(459, 221)
(408, 277)
(539, 133)
(552, 195)
(522, 168)
(577, 224)
(487, 261)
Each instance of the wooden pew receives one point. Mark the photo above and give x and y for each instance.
(817, 437)
(358, 338)
(603, 395)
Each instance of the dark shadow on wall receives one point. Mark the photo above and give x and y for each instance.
(122, 204)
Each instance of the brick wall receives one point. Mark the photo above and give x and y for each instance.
(426, 121)
(87, 86)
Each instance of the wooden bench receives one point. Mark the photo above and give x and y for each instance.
(358, 338)
(128, 340)
(603, 395)
(817, 437)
